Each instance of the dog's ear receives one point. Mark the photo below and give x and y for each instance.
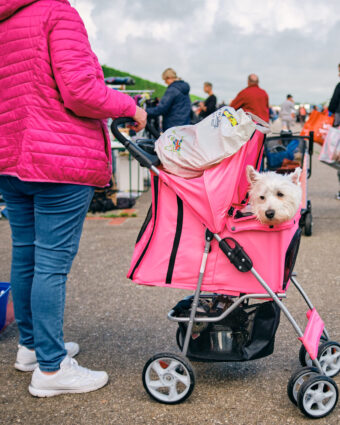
(252, 174)
(295, 177)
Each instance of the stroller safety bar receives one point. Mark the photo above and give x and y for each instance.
(144, 158)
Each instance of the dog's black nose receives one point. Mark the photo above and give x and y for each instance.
(270, 213)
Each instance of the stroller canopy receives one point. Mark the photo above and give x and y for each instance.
(212, 194)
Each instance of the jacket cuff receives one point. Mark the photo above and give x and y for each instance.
(130, 110)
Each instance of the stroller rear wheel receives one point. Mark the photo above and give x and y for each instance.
(168, 378)
(298, 378)
(308, 224)
(318, 396)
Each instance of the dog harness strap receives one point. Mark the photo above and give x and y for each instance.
(176, 240)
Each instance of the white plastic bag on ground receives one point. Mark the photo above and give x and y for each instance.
(188, 150)
(330, 152)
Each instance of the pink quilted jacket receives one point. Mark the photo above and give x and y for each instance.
(53, 97)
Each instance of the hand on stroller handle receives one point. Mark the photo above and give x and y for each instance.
(145, 159)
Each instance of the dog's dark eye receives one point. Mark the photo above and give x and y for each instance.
(262, 197)
(280, 194)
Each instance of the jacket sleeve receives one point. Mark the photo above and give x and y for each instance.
(164, 105)
(76, 69)
(334, 104)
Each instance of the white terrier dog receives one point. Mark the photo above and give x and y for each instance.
(274, 198)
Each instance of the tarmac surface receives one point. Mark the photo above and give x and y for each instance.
(119, 326)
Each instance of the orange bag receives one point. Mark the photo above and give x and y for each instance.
(320, 123)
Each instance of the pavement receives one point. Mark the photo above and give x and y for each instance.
(119, 326)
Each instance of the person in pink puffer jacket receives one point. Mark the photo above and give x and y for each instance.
(54, 148)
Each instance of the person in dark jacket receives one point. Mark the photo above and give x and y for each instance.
(209, 105)
(175, 105)
(334, 105)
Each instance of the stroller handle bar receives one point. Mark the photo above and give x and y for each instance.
(144, 158)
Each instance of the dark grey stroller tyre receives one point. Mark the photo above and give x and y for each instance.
(329, 358)
(168, 378)
(179, 338)
(299, 377)
(304, 357)
(318, 396)
(308, 224)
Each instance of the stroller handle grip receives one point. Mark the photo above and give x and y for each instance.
(144, 158)
(153, 131)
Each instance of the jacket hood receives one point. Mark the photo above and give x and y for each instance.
(182, 86)
(9, 7)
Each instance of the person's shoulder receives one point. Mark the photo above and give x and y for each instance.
(262, 91)
(61, 9)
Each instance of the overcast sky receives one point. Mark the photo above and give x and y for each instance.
(293, 45)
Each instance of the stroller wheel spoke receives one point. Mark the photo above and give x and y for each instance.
(321, 406)
(173, 366)
(173, 393)
(158, 369)
(156, 384)
(184, 379)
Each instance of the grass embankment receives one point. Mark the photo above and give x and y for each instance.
(141, 83)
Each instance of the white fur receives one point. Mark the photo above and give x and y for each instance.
(275, 194)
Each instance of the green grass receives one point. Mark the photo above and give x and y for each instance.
(141, 83)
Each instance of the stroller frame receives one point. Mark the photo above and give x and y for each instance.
(275, 296)
(311, 388)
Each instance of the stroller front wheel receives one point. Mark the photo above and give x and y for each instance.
(304, 357)
(168, 378)
(329, 358)
(328, 355)
(298, 378)
(318, 396)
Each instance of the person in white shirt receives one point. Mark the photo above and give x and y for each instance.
(287, 112)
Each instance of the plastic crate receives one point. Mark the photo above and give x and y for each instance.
(4, 286)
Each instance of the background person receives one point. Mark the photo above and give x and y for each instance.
(209, 105)
(175, 105)
(54, 148)
(334, 104)
(253, 99)
(334, 108)
(287, 113)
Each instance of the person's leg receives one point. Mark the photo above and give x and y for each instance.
(21, 218)
(60, 211)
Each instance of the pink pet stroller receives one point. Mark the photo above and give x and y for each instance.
(196, 237)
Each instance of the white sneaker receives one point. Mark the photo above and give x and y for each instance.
(27, 361)
(70, 378)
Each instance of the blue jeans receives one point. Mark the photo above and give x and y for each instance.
(46, 221)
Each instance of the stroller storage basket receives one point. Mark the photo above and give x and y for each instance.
(247, 333)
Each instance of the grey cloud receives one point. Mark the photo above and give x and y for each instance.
(301, 62)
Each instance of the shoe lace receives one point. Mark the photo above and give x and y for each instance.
(80, 370)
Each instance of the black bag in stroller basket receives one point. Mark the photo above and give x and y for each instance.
(247, 333)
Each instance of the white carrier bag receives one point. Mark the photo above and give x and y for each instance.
(188, 150)
(330, 152)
